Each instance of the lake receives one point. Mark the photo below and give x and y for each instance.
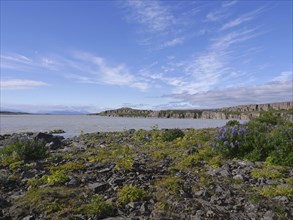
(77, 124)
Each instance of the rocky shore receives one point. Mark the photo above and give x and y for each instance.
(140, 174)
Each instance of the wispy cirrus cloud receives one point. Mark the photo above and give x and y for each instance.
(227, 4)
(173, 42)
(17, 84)
(100, 72)
(23, 63)
(241, 19)
(82, 66)
(151, 14)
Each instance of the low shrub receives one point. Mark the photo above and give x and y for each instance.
(280, 190)
(97, 207)
(129, 194)
(261, 139)
(23, 149)
(172, 134)
(58, 177)
(232, 123)
(169, 185)
(266, 173)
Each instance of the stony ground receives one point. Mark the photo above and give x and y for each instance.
(139, 175)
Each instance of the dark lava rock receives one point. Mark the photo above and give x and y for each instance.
(98, 187)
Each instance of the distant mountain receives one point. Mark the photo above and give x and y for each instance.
(13, 113)
(67, 112)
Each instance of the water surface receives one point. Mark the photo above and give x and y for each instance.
(77, 124)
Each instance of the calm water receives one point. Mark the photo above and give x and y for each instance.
(75, 124)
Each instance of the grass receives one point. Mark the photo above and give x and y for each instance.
(97, 207)
(23, 149)
(129, 193)
(266, 173)
(280, 190)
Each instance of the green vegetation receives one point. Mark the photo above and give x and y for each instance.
(57, 178)
(280, 190)
(172, 134)
(97, 207)
(233, 123)
(52, 202)
(170, 185)
(23, 149)
(70, 166)
(129, 193)
(177, 165)
(267, 138)
(266, 173)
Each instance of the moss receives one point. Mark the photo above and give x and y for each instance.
(129, 193)
(124, 164)
(16, 165)
(69, 166)
(266, 173)
(280, 190)
(189, 162)
(97, 207)
(216, 162)
(205, 180)
(38, 181)
(289, 181)
(169, 185)
(57, 177)
(52, 202)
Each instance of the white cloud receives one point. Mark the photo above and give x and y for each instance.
(226, 41)
(265, 93)
(215, 16)
(16, 58)
(103, 73)
(173, 42)
(242, 19)
(227, 4)
(23, 63)
(283, 77)
(152, 14)
(20, 84)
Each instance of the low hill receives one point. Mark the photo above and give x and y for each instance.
(243, 112)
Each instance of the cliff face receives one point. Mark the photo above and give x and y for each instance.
(241, 112)
(260, 107)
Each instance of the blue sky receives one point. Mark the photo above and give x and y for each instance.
(96, 55)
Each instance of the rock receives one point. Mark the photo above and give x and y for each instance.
(98, 187)
(116, 181)
(105, 170)
(269, 215)
(210, 214)
(52, 141)
(29, 217)
(282, 199)
(199, 215)
(238, 177)
(73, 182)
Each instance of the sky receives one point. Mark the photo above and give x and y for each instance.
(94, 55)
